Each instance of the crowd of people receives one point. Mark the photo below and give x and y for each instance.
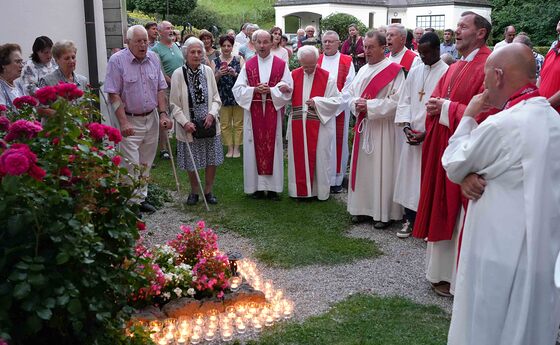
(454, 140)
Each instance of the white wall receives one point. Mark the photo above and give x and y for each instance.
(24, 20)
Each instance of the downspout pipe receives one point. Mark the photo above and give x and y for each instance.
(91, 43)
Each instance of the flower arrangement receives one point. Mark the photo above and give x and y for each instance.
(188, 266)
(68, 235)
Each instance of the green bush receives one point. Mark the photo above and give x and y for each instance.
(542, 50)
(67, 235)
(339, 22)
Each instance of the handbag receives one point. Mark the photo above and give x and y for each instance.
(201, 132)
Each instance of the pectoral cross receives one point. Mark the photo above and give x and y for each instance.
(421, 93)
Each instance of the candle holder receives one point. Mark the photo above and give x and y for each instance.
(233, 257)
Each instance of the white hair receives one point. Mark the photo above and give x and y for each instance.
(135, 28)
(307, 50)
(253, 27)
(189, 42)
(259, 32)
(310, 27)
(160, 25)
(400, 28)
(331, 33)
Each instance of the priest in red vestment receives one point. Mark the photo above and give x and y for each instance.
(550, 76)
(440, 215)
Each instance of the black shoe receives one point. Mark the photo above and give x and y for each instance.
(360, 219)
(192, 199)
(381, 225)
(211, 199)
(336, 189)
(273, 196)
(164, 154)
(146, 207)
(258, 195)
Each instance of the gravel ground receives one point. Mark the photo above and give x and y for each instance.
(398, 272)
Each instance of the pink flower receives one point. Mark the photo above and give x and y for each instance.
(37, 173)
(113, 134)
(65, 171)
(3, 108)
(96, 130)
(116, 160)
(46, 95)
(221, 294)
(17, 160)
(69, 91)
(140, 225)
(22, 101)
(56, 141)
(71, 158)
(23, 129)
(4, 123)
(201, 224)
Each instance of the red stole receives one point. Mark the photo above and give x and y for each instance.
(344, 65)
(377, 83)
(264, 123)
(407, 59)
(310, 126)
(440, 199)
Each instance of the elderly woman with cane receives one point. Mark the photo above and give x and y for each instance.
(196, 102)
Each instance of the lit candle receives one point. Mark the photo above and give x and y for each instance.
(235, 282)
(227, 334)
(241, 328)
(209, 336)
(195, 339)
(268, 321)
(181, 341)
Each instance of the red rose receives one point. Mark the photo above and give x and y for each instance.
(117, 160)
(56, 141)
(46, 95)
(65, 171)
(3, 108)
(113, 134)
(17, 160)
(140, 225)
(37, 173)
(96, 130)
(4, 123)
(22, 101)
(71, 158)
(23, 129)
(69, 91)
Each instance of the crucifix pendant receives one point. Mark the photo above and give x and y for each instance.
(421, 93)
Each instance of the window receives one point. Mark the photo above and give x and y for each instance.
(436, 22)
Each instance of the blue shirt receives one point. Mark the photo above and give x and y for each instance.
(449, 49)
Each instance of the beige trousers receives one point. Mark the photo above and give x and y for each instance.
(231, 122)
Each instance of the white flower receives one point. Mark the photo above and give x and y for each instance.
(168, 277)
(194, 278)
(191, 291)
(166, 295)
(170, 261)
(178, 291)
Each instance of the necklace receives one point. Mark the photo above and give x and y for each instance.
(12, 85)
(422, 93)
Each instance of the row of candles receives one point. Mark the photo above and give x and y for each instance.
(236, 319)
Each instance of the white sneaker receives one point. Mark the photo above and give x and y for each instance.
(406, 230)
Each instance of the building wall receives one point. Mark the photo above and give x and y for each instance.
(24, 20)
(310, 14)
(452, 14)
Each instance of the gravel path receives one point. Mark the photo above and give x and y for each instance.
(398, 272)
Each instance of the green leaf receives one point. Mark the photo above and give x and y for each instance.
(83, 148)
(44, 313)
(33, 324)
(17, 276)
(74, 307)
(36, 279)
(61, 258)
(62, 300)
(21, 290)
(16, 224)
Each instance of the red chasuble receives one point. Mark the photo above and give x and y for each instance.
(550, 74)
(305, 132)
(344, 65)
(264, 123)
(440, 199)
(377, 83)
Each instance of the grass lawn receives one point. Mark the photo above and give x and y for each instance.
(366, 320)
(286, 233)
(235, 12)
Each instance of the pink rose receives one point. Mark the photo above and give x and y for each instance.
(69, 91)
(65, 171)
(140, 225)
(37, 173)
(113, 134)
(116, 160)
(3, 108)
(56, 141)
(17, 160)
(23, 129)
(22, 101)
(4, 123)
(46, 95)
(96, 130)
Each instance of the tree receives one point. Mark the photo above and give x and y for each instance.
(163, 7)
(339, 22)
(537, 19)
(204, 18)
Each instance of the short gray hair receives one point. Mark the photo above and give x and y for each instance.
(160, 25)
(131, 30)
(253, 27)
(61, 47)
(331, 33)
(307, 50)
(189, 42)
(399, 27)
(260, 32)
(524, 39)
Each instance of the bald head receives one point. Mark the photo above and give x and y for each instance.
(507, 70)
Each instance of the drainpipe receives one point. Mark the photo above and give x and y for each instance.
(93, 70)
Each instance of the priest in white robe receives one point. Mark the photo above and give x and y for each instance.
(396, 39)
(341, 69)
(505, 291)
(411, 117)
(375, 94)
(263, 88)
(315, 105)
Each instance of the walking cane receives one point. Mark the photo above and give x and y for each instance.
(173, 165)
(197, 177)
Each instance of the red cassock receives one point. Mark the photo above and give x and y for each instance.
(550, 74)
(440, 199)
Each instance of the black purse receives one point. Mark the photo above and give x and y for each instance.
(201, 132)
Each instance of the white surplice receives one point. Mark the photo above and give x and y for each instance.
(243, 94)
(505, 292)
(398, 57)
(327, 108)
(330, 63)
(412, 109)
(375, 171)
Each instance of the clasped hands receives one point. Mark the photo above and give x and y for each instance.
(190, 127)
(361, 105)
(473, 186)
(413, 137)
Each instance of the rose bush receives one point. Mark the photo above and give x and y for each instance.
(67, 259)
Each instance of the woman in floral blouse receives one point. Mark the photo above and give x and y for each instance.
(40, 64)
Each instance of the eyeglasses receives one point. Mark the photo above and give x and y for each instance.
(19, 62)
